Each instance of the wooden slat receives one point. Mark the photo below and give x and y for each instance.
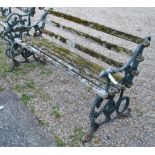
(84, 66)
(86, 50)
(98, 27)
(99, 41)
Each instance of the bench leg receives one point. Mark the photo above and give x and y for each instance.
(14, 65)
(106, 111)
(110, 106)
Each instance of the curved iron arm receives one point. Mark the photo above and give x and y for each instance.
(106, 102)
(130, 68)
(18, 25)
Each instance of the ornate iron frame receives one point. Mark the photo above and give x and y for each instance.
(16, 27)
(106, 100)
(5, 11)
(113, 87)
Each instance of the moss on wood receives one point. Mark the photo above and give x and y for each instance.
(86, 50)
(103, 43)
(75, 60)
(98, 27)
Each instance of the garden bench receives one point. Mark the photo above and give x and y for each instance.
(108, 84)
(5, 11)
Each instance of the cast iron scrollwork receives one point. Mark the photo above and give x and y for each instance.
(5, 11)
(17, 27)
(106, 103)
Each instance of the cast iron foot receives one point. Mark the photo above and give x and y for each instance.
(126, 113)
(14, 65)
(88, 136)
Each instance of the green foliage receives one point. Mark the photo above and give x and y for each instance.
(59, 141)
(56, 112)
(89, 88)
(43, 123)
(3, 62)
(22, 70)
(76, 137)
(32, 108)
(25, 98)
(45, 70)
(44, 96)
(1, 89)
(30, 84)
(19, 87)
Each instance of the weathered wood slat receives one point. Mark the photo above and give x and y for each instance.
(98, 27)
(57, 59)
(85, 50)
(84, 66)
(51, 58)
(69, 56)
(103, 43)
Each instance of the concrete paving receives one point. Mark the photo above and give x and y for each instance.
(18, 126)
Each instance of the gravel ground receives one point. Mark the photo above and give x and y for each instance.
(65, 103)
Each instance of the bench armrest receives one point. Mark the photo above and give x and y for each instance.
(130, 68)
